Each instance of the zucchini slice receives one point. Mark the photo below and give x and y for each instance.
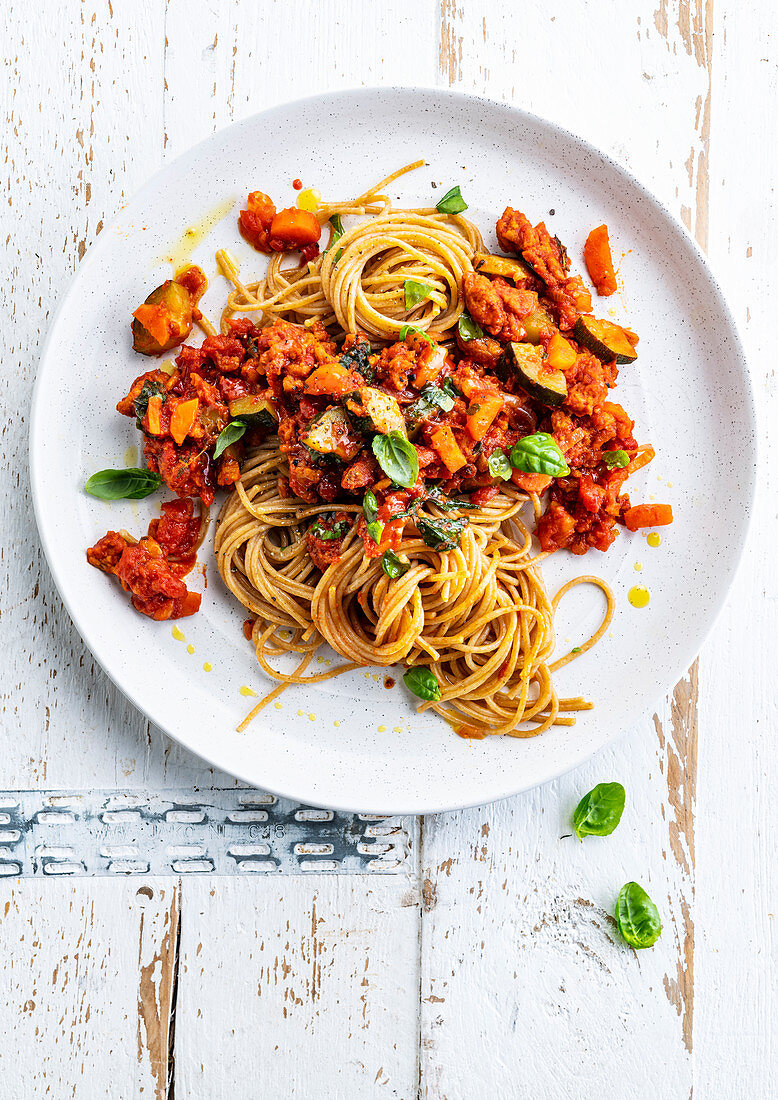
(485, 263)
(331, 433)
(373, 410)
(525, 362)
(605, 340)
(255, 410)
(536, 324)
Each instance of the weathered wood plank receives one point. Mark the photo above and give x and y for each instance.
(302, 988)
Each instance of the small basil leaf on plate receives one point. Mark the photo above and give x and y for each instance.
(599, 812)
(398, 458)
(127, 484)
(539, 454)
(637, 918)
(416, 292)
(337, 531)
(441, 533)
(234, 431)
(393, 566)
(423, 682)
(370, 511)
(449, 504)
(498, 464)
(337, 226)
(615, 460)
(452, 202)
(467, 328)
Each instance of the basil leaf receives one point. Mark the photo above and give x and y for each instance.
(539, 454)
(449, 504)
(615, 460)
(467, 328)
(416, 293)
(148, 390)
(448, 386)
(406, 329)
(599, 812)
(637, 917)
(370, 511)
(337, 225)
(452, 202)
(393, 566)
(422, 682)
(441, 533)
(498, 464)
(431, 398)
(234, 431)
(398, 458)
(320, 531)
(358, 358)
(129, 484)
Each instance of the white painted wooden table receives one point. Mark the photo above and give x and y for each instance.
(490, 967)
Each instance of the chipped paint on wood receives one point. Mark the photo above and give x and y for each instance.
(158, 958)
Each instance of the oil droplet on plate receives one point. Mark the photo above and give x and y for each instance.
(207, 666)
(179, 637)
(244, 690)
(181, 252)
(300, 713)
(278, 706)
(336, 722)
(397, 729)
(637, 566)
(312, 717)
(131, 456)
(309, 199)
(639, 596)
(382, 729)
(654, 539)
(190, 649)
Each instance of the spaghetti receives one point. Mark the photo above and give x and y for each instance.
(477, 615)
(358, 283)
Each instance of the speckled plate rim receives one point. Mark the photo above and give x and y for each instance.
(435, 801)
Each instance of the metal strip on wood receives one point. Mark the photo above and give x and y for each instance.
(215, 832)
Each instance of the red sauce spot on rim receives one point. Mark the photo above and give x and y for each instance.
(389, 682)
(297, 184)
(247, 628)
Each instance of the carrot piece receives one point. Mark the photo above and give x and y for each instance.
(293, 228)
(430, 364)
(182, 419)
(332, 378)
(531, 483)
(448, 449)
(645, 455)
(648, 515)
(599, 262)
(481, 414)
(153, 415)
(155, 320)
(560, 353)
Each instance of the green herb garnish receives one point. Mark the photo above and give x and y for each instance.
(129, 484)
(467, 328)
(539, 454)
(452, 202)
(398, 458)
(422, 682)
(148, 390)
(337, 531)
(615, 460)
(440, 532)
(370, 511)
(415, 331)
(416, 292)
(498, 464)
(599, 812)
(637, 918)
(449, 504)
(234, 431)
(393, 566)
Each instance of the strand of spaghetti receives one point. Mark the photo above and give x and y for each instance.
(606, 620)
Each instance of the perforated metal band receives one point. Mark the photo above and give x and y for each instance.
(222, 832)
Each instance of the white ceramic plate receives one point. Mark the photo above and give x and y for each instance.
(351, 743)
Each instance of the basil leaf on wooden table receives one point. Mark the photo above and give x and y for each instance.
(393, 566)
(452, 202)
(539, 454)
(615, 460)
(637, 917)
(398, 458)
(599, 812)
(467, 328)
(416, 292)
(441, 533)
(423, 682)
(498, 464)
(370, 511)
(234, 431)
(131, 483)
